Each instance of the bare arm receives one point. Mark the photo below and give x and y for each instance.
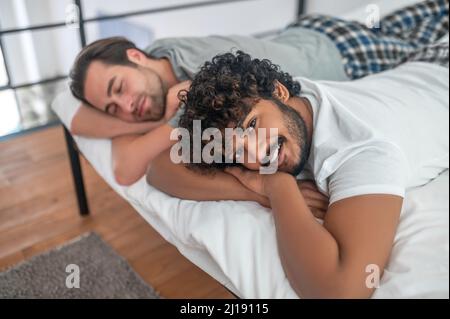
(357, 232)
(133, 153)
(93, 123)
(329, 261)
(178, 181)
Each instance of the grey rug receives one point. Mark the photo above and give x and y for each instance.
(102, 274)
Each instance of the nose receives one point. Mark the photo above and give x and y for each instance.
(127, 104)
(255, 149)
(264, 146)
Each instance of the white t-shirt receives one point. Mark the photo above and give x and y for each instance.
(379, 135)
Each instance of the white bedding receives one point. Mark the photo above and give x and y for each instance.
(235, 242)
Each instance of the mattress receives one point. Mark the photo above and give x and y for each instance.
(235, 242)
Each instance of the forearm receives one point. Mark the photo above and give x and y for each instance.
(133, 154)
(178, 181)
(92, 123)
(310, 254)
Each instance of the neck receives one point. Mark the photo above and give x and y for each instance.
(164, 69)
(304, 108)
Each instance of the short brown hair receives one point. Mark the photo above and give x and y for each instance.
(110, 51)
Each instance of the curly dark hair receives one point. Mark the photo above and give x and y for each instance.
(224, 91)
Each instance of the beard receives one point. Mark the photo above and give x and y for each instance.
(158, 108)
(156, 94)
(297, 129)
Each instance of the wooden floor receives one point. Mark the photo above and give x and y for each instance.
(38, 211)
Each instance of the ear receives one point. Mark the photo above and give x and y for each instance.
(136, 56)
(281, 92)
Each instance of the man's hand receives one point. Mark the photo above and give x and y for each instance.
(172, 100)
(317, 202)
(91, 122)
(256, 182)
(250, 179)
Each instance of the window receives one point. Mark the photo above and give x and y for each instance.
(30, 57)
(3, 75)
(45, 53)
(9, 113)
(41, 54)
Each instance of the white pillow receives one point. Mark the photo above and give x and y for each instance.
(65, 106)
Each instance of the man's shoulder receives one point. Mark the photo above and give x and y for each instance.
(173, 122)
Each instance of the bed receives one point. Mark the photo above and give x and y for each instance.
(235, 242)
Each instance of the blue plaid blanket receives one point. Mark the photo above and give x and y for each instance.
(404, 35)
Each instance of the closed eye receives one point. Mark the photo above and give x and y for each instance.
(111, 109)
(119, 90)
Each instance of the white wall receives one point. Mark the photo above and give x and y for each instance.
(19, 48)
(54, 51)
(355, 9)
(334, 7)
(3, 77)
(247, 17)
(36, 17)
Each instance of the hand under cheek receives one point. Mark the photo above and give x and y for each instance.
(251, 166)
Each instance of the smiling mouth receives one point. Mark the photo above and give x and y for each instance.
(278, 155)
(141, 106)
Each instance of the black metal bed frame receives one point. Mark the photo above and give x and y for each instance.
(71, 147)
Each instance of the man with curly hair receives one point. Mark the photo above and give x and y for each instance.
(130, 95)
(363, 143)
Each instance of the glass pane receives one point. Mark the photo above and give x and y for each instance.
(24, 13)
(3, 75)
(33, 56)
(35, 104)
(245, 16)
(9, 113)
(28, 107)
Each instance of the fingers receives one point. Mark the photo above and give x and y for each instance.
(310, 188)
(320, 214)
(242, 175)
(308, 193)
(307, 184)
(235, 171)
(317, 203)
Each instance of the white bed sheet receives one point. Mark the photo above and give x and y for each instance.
(235, 242)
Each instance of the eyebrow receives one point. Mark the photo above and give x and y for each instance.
(109, 91)
(110, 85)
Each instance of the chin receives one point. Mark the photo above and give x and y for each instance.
(157, 118)
(289, 171)
(293, 170)
(296, 170)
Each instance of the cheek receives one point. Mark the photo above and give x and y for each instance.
(126, 117)
(133, 87)
(135, 82)
(294, 150)
(145, 81)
